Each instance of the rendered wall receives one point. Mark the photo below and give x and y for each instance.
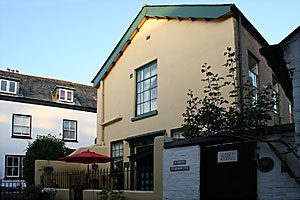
(182, 184)
(45, 120)
(275, 184)
(180, 47)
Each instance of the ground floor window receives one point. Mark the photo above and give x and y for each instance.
(177, 133)
(117, 155)
(14, 165)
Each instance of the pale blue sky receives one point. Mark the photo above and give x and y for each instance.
(71, 39)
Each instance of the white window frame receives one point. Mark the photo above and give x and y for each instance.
(70, 130)
(7, 89)
(19, 166)
(65, 96)
(27, 126)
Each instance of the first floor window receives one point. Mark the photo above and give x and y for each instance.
(14, 166)
(146, 89)
(253, 76)
(21, 125)
(276, 98)
(117, 155)
(69, 129)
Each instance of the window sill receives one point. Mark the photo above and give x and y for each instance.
(66, 140)
(14, 178)
(21, 137)
(145, 115)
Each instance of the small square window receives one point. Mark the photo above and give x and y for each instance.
(69, 130)
(21, 126)
(65, 95)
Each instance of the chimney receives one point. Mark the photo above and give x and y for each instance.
(17, 71)
(8, 69)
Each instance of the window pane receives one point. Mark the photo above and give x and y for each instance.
(138, 110)
(17, 120)
(140, 75)
(146, 107)
(3, 85)
(25, 130)
(140, 87)
(26, 121)
(153, 69)
(146, 72)
(153, 105)
(66, 134)
(147, 84)
(9, 161)
(66, 125)
(72, 125)
(15, 161)
(69, 96)
(62, 94)
(12, 86)
(9, 171)
(15, 171)
(153, 82)
(147, 95)
(154, 93)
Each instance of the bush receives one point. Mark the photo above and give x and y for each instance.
(43, 148)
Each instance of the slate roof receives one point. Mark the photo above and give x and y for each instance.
(179, 12)
(39, 90)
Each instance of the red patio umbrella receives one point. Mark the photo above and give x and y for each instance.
(87, 157)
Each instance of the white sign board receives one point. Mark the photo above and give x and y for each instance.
(227, 156)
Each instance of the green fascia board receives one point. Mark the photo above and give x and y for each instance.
(195, 11)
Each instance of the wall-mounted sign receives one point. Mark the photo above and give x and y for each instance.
(180, 168)
(227, 156)
(179, 162)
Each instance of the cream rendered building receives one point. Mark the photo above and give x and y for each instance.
(142, 86)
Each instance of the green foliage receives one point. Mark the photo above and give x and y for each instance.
(109, 194)
(213, 114)
(43, 148)
(31, 192)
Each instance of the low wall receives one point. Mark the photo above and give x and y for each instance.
(130, 195)
(63, 194)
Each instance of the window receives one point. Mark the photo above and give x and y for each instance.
(65, 95)
(8, 86)
(276, 101)
(21, 126)
(177, 133)
(291, 113)
(253, 75)
(117, 155)
(69, 130)
(146, 92)
(14, 166)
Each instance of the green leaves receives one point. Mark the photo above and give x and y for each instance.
(213, 114)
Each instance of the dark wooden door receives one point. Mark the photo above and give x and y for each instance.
(228, 171)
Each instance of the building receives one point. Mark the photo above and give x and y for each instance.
(142, 86)
(32, 106)
(285, 60)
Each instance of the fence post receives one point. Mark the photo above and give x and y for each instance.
(0, 188)
(70, 187)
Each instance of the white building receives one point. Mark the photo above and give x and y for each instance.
(31, 106)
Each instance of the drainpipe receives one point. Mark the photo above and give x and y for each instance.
(100, 111)
(240, 63)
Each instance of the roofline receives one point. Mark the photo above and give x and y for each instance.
(46, 103)
(289, 36)
(138, 21)
(51, 79)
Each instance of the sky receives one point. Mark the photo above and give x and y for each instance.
(71, 39)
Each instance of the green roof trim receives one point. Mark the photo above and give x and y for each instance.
(208, 11)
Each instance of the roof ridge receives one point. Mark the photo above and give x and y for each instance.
(52, 79)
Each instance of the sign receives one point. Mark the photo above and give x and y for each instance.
(179, 162)
(180, 168)
(227, 156)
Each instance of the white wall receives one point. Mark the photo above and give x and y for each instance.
(275, 185)
(45, 119)
(182, 184)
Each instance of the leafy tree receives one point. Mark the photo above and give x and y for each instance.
(43, 148)
(214, 114)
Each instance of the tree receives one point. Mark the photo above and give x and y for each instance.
(213, 114)
(43, 148)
